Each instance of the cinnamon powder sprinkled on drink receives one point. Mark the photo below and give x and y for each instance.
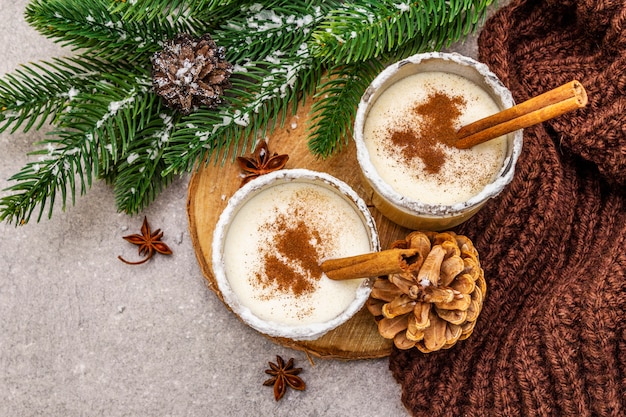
(439, 114)
(294, 267)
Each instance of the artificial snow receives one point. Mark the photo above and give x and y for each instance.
(132, 158)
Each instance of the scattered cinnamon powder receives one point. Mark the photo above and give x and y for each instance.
(438, 115)
(295, 266)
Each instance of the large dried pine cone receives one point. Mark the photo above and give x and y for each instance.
(437, 301)
(189, 73)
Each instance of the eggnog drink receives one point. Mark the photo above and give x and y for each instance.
(274, 244)
(409, 133)
(405, 128)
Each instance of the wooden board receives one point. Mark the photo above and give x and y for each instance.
(212, 186)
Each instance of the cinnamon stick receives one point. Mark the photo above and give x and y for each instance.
(391, 261)
(551, 104)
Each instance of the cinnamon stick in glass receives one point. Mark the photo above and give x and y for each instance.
(391, 261)
(551, 104)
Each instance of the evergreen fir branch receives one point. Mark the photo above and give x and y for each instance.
(55, 171)
(109, 123)
(205, 135)
(362, 30)
(91, 138)
(148, 10)
(110, 115)
(259, 31)
(258, 99)
(218, 12)
(273, 69)
(36, 93)
(332, 116)
(91, 27)
(140, 178)
(441, 36)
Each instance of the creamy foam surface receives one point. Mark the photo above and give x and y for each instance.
(464, 173)
(335, 229)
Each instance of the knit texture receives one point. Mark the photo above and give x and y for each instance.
(551, 339)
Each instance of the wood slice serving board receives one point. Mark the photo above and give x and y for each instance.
(211, 187)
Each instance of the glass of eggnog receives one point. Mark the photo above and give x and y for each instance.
(269, 243)
(404, 131)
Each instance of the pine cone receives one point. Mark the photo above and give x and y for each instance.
(190, 72)
(436, 302)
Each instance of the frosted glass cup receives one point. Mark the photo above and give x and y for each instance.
(269, 243)
(410, 109)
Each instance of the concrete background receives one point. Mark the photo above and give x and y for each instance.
(82, 334)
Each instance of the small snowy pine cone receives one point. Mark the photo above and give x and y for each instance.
(189, 73)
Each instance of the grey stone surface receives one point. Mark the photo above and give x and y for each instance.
(82, 334)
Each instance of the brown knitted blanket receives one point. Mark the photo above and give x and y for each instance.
(551, 339)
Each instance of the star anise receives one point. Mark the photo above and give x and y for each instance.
(260, 162)
(283, 376)
(149, 243)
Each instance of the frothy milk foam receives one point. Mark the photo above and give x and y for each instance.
(465, 172)
(251, 236)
